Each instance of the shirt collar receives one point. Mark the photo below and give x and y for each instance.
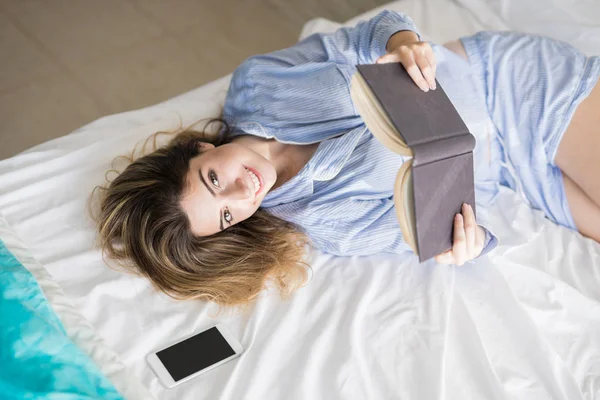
(329, 158)
(333, 154)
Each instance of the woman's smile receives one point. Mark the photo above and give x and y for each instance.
(257, 180)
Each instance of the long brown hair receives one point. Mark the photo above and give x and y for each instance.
(142, 225)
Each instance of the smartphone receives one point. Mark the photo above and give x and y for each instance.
(193, 355)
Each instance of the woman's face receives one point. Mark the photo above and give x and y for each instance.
(226, 185)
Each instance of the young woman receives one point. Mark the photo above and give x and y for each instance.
(214, 218)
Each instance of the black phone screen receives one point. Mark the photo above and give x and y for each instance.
(196, 353)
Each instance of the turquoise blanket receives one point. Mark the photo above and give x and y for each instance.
(37, 358)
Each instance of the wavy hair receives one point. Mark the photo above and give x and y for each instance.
(142, 226)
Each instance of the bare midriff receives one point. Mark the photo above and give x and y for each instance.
(457, 47)
(586, 119)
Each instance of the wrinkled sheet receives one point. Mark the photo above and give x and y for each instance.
(521, 323)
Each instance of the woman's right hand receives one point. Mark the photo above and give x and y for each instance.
(416, 57)
(468, 239)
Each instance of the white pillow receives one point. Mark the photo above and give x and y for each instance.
(575, 22)
(437, 20)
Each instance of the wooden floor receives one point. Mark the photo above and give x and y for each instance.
(65, 63)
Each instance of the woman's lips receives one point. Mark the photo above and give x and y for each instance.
(260, 179)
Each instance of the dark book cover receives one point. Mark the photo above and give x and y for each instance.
(442, 146)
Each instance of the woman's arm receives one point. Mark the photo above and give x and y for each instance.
(351, 226)
(360, 44)
(301, 94)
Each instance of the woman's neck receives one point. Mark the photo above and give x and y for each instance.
(288, 159)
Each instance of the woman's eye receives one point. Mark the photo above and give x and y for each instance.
(227, 216)
(213, 178)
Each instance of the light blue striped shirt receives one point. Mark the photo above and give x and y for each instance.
(342, 197)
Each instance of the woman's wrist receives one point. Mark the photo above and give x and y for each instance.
(400, 38)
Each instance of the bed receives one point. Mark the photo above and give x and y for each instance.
(520, 323)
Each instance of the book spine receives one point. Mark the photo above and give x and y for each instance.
(428, 152)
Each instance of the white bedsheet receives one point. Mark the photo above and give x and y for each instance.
(523, 323)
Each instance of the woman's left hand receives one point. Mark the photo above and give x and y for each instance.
(468, 239)
(416, 57)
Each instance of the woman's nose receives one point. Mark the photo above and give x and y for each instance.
(238, 191)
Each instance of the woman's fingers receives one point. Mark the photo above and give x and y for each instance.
(432, 62)
(469, 222)
(408, 60)
(459, 247)
(425, 67)
(445, 258)
(418, 60)
(467, 239)
(388, 58)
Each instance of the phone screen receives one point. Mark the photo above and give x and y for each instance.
(196, 353)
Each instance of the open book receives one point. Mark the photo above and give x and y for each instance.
(431, 186)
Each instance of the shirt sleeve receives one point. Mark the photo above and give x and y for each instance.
(491, 241)
(352, 227)
(301, 94)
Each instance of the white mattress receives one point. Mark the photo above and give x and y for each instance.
(523, 323)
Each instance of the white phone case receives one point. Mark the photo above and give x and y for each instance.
(165, 377)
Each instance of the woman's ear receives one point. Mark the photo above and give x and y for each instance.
(205, 146)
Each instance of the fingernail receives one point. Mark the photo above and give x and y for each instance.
(457, 217)
(433, 87)
(426, 90)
